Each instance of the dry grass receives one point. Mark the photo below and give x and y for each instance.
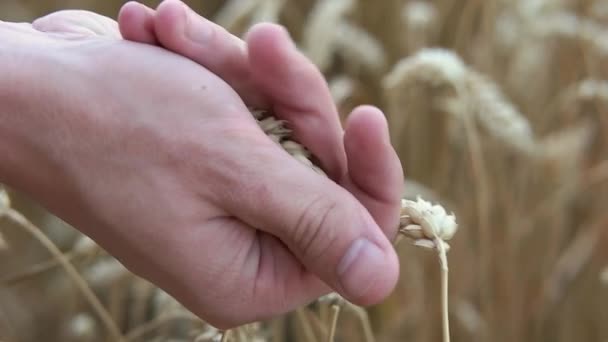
(498, 110)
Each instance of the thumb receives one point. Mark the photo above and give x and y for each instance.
(322, 224)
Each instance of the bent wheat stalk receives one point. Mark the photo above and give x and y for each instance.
(428, 225)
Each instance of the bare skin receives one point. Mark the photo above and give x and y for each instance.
(159, 161)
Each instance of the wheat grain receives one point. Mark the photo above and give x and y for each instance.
(279, 133)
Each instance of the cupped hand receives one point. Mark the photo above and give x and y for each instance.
(161, 163)
(267, 71)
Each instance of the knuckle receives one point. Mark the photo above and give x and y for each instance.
(313, 233)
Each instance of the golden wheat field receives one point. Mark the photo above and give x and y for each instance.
(498, 110)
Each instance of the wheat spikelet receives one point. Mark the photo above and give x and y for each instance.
(566, 147)
(318, 38)
(427, 224)
(105, 272)
(599, 11)
(586, 90)
(341, 88)
(570, 26)
(279, 133)
(85, 245)
(421, 22)
(430, 227)
(435, 67)
(528, 71)
(359, 48)
(498, 116)
(419, 15)
(82, 328)
(209, 335)
(164, 302)
(534, 8)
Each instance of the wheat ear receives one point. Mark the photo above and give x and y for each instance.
(428, 225)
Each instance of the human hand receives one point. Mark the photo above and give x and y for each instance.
(215, 187)
(267, 72)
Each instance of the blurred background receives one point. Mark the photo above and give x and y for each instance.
(498, 110)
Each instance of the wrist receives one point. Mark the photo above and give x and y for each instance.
(24, 123)
(12, 85)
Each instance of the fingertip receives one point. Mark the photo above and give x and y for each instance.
(267, 33)
(368, 124)
(268, 44)
(373, 163)
(136, 23)
(368, 272)
(171, 19)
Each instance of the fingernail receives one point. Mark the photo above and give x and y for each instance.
(359, 268)
(198, 30)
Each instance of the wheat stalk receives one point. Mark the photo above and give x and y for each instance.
(21, 221)
(83, 247)
(429, 226)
